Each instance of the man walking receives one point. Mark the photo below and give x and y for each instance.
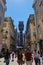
(12, 56)
(7, 57)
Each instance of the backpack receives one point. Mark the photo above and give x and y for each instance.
(28, 56)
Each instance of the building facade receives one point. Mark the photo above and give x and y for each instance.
(38, 9)
(21, 28)
(8, 33)
(18, 38)
(30, 33)
(2, 12)
(24, 39)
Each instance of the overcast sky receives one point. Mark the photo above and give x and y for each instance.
(19, 10)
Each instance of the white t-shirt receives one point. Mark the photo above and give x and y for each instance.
(36, 54)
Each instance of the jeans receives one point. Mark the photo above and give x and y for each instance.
(7, 62)
(36, 61)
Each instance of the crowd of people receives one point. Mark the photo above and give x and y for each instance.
(25, 56)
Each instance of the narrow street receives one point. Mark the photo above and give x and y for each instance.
(12, 63)
(21, 32)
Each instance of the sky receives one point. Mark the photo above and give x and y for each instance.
(19, 10)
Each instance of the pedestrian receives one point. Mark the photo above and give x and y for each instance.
(28, 57)
(4, 56)
(19, 57)
(15, 53)
(12, 56)
(23, 60)
(7, 57)
(41, 53)
(36, 57)
(42, 56)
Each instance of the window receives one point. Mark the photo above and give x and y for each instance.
(3, 41)
(41, 3)
(4, 1)
(38, 26)
(5, 36)
(4, 25)
(39, 29)
(0, 20)
(6, 31)
(1, 30)
(34, 34)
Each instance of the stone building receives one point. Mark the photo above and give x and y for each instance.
(2, 12)
(21, 28)
(30, 32)
(18, 38)
(38, 9)
(8, 33)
